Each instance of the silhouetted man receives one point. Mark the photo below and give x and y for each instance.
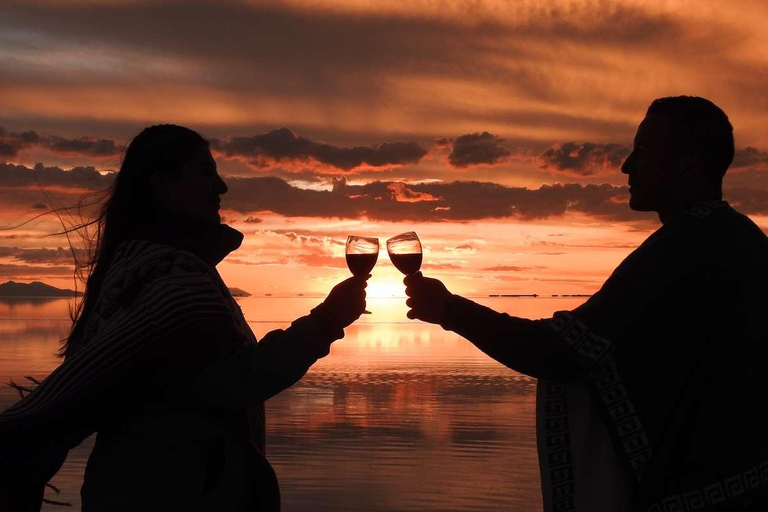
(651, 394)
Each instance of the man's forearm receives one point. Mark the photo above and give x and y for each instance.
(528, 346)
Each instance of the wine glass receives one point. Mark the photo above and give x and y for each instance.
(362, 253)
(405, 252)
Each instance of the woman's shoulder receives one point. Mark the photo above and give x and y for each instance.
(139, 266)
(143, 256)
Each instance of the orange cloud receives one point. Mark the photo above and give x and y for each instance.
(403, 194)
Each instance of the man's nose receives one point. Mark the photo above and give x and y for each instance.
(221, 186)
(626, 167)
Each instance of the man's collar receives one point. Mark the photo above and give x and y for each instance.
(210, 242)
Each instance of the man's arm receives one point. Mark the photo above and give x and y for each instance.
(531, 347)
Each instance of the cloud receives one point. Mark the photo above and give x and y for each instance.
(584, 159)
(12, 143)
(464, 248)
(253, 220)
(403, 194)
(307, 239)
(291, 248)
(508, 268)
(336, 64)
(475, 149)
(750, 157)
(440, 266)
(748, 200)
(457, 201)
(584, 246)
(31, 271)
(86, 146)
(41, 255)
(80, 177)
(394, 201)
(282, 146)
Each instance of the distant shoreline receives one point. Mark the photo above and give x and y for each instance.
(491, 296)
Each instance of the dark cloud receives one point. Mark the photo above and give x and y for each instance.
(748, 200)
(87, 146)
(584, 159)
(476, 149)
(11, 143)
(284, 146)
(457, 201)
(12, 176)
(23, 272)
(750, 157)
(461, 201)
(41, 255)
(326, 42)
(469, 200)
(253, 220)
(336, 63)
(39, 206)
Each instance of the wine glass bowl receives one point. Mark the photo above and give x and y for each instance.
(362, 253)
(405, 252)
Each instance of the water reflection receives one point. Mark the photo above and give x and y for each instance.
(401, 416)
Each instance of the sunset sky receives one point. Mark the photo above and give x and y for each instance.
(494, 129)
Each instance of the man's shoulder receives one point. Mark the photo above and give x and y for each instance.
(712, 229)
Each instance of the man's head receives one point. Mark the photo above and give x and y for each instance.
(682, 150)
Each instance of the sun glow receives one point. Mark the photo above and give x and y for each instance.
(385, 287)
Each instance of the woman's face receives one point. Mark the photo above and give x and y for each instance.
(195, 193)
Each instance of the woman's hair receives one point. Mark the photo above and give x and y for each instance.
(161, 148)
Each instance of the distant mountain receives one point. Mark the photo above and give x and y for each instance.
(237, 292)
(34, 289)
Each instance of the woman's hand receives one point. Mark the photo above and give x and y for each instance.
(346, 302)
(427, 298)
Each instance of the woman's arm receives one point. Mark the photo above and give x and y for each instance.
(250, 373)
(256, 372)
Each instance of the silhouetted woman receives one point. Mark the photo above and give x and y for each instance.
(160, 361)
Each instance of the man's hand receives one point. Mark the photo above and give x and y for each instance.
(346, 302)
(427, 298)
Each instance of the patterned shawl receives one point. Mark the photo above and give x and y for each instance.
(676, 339)
(155, 297)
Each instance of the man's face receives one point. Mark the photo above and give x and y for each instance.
(655, 165)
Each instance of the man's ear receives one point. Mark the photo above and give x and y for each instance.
(692, 165)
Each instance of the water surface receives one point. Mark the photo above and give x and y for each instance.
(401, 416)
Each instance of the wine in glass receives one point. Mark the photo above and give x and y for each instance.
(362, 253)
(405, 252)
